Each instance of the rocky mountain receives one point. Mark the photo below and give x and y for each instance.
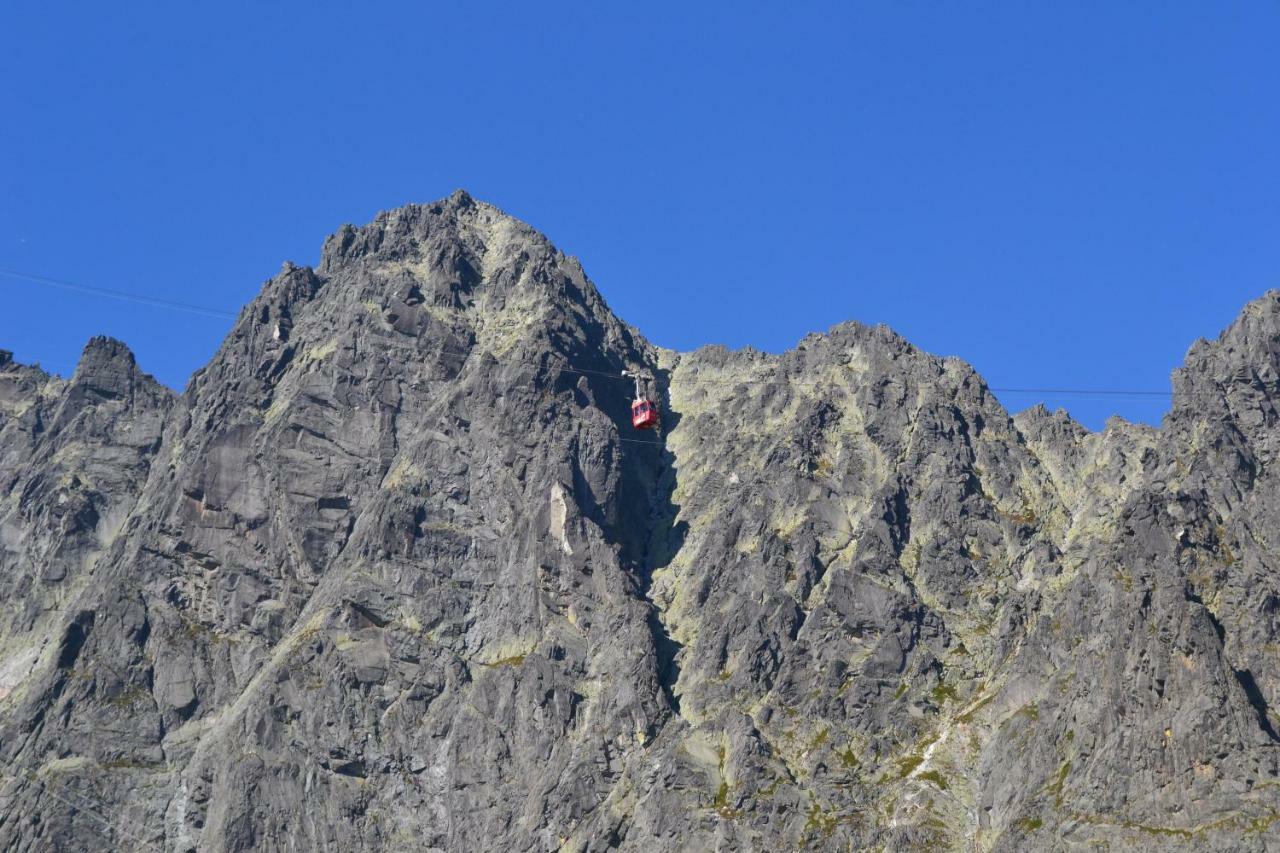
(394, 573)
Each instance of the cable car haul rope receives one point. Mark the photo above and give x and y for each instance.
(645, 408)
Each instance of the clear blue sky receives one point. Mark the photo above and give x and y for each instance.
(1063, 194)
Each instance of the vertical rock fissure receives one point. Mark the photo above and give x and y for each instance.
(1257, 700)
(661, 548)
(664, 540)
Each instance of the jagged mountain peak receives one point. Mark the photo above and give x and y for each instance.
(433, 288)
(1247, 352)
(483, 234)
(1230, 387)
(108, 363)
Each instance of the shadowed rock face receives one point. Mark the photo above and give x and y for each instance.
(394, 573)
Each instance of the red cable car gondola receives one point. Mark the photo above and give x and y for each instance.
(644, 414)
(644, 409)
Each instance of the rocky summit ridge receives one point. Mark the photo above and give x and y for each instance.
(394, 573)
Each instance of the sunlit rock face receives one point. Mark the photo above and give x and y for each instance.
(395, 573)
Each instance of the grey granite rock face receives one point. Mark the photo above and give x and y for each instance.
(395, 573)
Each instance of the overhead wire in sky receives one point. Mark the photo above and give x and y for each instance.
(123, 296)
(1115, 392)
(172, 305)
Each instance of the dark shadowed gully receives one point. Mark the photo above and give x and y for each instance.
(395, 573)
